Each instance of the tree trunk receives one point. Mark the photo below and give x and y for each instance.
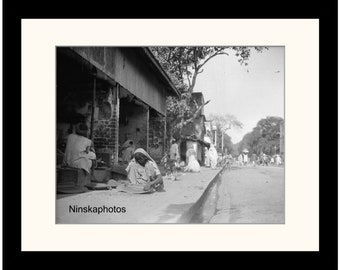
(181, 124)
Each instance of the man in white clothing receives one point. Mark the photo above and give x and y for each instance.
(79, 152)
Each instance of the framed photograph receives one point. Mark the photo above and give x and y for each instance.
(152, 139)
(106, 96)
(138, 144)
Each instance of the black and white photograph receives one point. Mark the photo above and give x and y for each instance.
(170, 134)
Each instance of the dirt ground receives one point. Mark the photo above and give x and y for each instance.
(157, 207)
(251, 195)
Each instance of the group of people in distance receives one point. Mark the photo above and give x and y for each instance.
(192, 165)
(261, 159)
(211, 158)
(173, 160)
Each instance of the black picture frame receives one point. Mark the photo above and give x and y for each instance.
(325, 11)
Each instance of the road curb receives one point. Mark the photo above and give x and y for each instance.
(204, 208)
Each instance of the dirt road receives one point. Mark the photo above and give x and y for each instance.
(250, 195)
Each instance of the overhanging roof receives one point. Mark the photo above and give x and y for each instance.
(163, 75)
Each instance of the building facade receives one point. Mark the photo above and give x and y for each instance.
(119, 92)
(193, 133)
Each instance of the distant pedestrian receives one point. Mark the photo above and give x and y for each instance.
(245, 158)
(254, 159)
(213, 156)
(240, 160)
(258, 161)
(174, 156)
(219, 160)
(206, 157)
(193, 165)
(229, 161)
(265, 160)
(278, 160)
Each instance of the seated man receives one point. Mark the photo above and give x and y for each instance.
(143, 170)
(79, 152)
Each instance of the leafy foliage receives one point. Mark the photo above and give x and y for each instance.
(227, 145)
(183, 65)
(265, 137)
(225, 121)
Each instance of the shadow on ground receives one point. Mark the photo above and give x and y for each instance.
(173, 210)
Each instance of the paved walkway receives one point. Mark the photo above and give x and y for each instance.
(172, 206)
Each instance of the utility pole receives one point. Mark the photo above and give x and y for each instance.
(222, 141)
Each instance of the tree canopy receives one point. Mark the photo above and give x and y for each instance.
(264, 138)
(183, 65)
(225, 121)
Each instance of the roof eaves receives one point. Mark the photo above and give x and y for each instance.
(148, 52)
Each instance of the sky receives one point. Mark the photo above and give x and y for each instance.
(249, 92)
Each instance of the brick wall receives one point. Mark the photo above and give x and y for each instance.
(135, 128)
(105, 133)
(106, 125)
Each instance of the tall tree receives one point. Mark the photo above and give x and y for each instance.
(224, 143)
(183, 65)
(224, 123)
(265, 137)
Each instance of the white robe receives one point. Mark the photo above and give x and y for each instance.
(75, 152)
(213, 157)
(138, 174)
(206, 158)
(193, 165)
